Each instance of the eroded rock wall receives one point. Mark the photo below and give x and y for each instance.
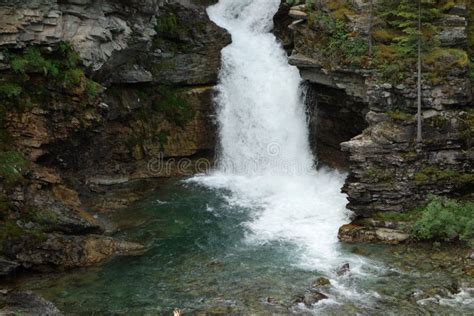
(92, 91)
(389, 171)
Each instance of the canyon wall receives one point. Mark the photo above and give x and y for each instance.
(364, 101)
(92, 91)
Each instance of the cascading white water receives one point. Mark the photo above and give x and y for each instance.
(265, 158)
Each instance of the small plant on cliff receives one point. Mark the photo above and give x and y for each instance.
(340, 45)
(309, 3)
(173, 106)
(35, 74)
(446, 220)
(409, 32)
(12, 167)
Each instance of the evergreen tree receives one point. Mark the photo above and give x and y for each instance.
(414, 20)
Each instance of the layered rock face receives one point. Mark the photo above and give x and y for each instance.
(366, 105)
(92, 91)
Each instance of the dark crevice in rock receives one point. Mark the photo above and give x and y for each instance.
(335, 118)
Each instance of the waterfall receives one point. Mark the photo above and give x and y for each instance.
(265, 159)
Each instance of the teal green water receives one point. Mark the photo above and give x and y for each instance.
(198, 260)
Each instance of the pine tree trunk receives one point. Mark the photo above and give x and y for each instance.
(419, 138)
(371, 22)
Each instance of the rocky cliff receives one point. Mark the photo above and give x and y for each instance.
(91, 91)
(361, 65)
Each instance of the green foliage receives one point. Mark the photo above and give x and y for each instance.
(396, 56)
(172, 105)
(73, 77)
(400, 116)
(9, 230)
(166, 24)
(341, 47)
(446, 220)
(10, 90)
(4, 205)
(434, 174)
(34, 61)
(470, 32)
(34, 73)
(92, 88)
(12, 167)
(443, 61)
(309, 3)
(47, 219)
(410, 216)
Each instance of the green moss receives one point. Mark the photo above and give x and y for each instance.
(441, 61)
(4, 205)
(33, 61)
(340, 9)
(337, 45)
(379, 175)
(394, 62)
(9, 230)
(35, 73)
(434, 174)
(409, 216)
(398, 115)
(73, 78)
(166, 24)
(10, 90)
(172, 105)
(12, 168)
(92, 88)
(386, 36)
(470, 32)
(45, 218)
(397, 38)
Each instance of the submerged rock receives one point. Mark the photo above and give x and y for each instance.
(313, 298)
(343, 270)
(320, 282)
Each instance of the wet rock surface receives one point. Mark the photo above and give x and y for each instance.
(62, 251)
(26, 303)
(353, 233)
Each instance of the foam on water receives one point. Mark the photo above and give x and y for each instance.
(265, 157)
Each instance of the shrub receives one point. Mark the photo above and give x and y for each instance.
(57, 70)
(445, 220)
(92, 88)
(33, 61)
(173, 106)
(73, 77)
(166, 24)
(10, 90)
(12, 167)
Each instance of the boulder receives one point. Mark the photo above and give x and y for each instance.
(26, 303)
(313, 298)
(343, 270)
(68, 251)
(320, 282)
